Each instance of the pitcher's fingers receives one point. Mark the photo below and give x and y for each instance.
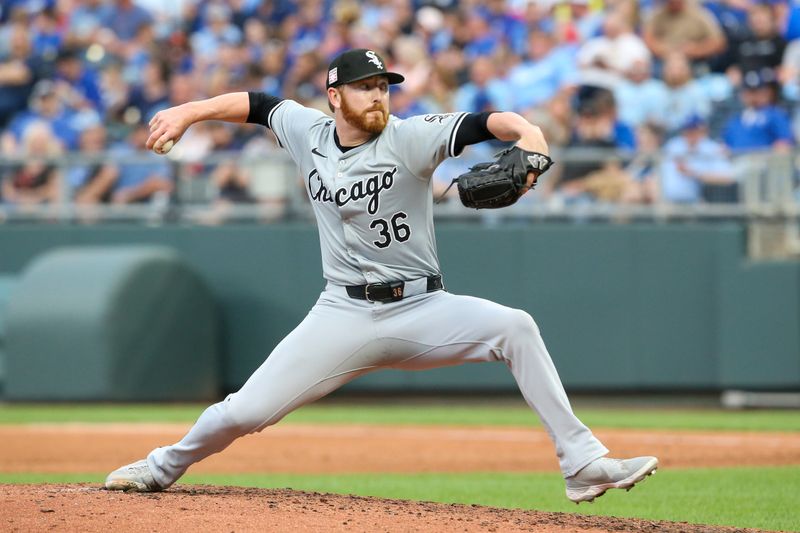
(151, 140)
(161, 140)
(155, 135)
(155, 121)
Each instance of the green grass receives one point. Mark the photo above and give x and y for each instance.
(763, 498)
(502, 414)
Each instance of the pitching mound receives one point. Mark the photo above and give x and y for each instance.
(87, 508)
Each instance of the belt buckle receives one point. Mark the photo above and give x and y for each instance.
(396, 288)
(366, 293)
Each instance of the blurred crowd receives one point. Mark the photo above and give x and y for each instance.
(669, 93)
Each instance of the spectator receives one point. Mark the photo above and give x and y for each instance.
(546, 69)
(482, 41)
(93, 183)
(404, 105)
(762, 50)
(686, 97)
(218, 30)
(761, 125)
(484, 92)
(46, 104)
(82, 86)
(642, 98)
(46, 34)
(124, 18)
(138, 51)
(142, 181)
(643, 168)
(411, 60)
(506, 27)
(607, 58)
(151, 93)
(576, 21)
(431, 29)
(306, 29)
(273, 68)
(346, 14)
(19, 71)
(599, 103)
(305, 81)
(35, 181)
(555, 118)
(85, 23)
(732, 18)
(683, 26)
(593, 169)
(228, 178)
(696, 168)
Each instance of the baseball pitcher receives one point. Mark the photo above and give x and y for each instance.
(368, 178)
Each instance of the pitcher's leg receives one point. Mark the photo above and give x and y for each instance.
(318, 357)
(486, 331)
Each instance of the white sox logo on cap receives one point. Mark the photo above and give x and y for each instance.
(373, 58)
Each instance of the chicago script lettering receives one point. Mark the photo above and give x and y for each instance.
(317, 189)
(370, 188)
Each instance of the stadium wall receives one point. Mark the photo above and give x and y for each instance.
(621, 307)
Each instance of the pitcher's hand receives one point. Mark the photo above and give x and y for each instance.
(168, 125)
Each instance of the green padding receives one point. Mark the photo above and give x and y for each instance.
(111, 323)
(760, 326)
(7, 283)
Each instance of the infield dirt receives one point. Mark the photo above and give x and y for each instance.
(326, 449)
(201, 508)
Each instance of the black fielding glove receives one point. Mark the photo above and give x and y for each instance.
(492, 185)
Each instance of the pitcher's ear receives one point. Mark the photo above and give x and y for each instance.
(334, 98)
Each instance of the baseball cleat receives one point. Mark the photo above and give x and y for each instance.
(593, 480)
(134, 477)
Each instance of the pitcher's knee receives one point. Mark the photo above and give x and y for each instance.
(239, 418)
(249, 417)
(522, 324)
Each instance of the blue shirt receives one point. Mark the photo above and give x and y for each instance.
(125, 23)
(496, 96)
(684, 102)
(706, 156)
(535, 82)
(134, 174)
(62, 125)
(756, 129)
(640, 102)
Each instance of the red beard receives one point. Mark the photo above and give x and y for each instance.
(366, 121)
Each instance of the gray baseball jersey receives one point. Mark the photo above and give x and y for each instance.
(373, 203)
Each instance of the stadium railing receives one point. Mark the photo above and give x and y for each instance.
(766, 189)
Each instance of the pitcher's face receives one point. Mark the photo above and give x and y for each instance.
(365, 103)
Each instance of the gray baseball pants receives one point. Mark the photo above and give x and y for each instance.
(342, 338)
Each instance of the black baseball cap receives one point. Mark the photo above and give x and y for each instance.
(358, 64)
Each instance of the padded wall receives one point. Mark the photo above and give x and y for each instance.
(112, 323)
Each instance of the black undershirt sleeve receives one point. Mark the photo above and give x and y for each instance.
(472, 130)
(260, 106)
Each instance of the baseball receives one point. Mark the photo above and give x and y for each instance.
(165, 148)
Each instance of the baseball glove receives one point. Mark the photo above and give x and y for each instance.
(500, 183)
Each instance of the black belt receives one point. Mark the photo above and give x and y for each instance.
(392, 291)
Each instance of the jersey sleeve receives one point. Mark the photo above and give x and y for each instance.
(290, 122)
(424, 141)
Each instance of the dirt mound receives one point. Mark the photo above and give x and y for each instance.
(82, 507)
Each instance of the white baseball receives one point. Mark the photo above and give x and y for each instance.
(166, 147)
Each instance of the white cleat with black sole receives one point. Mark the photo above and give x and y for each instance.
(593, 480)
